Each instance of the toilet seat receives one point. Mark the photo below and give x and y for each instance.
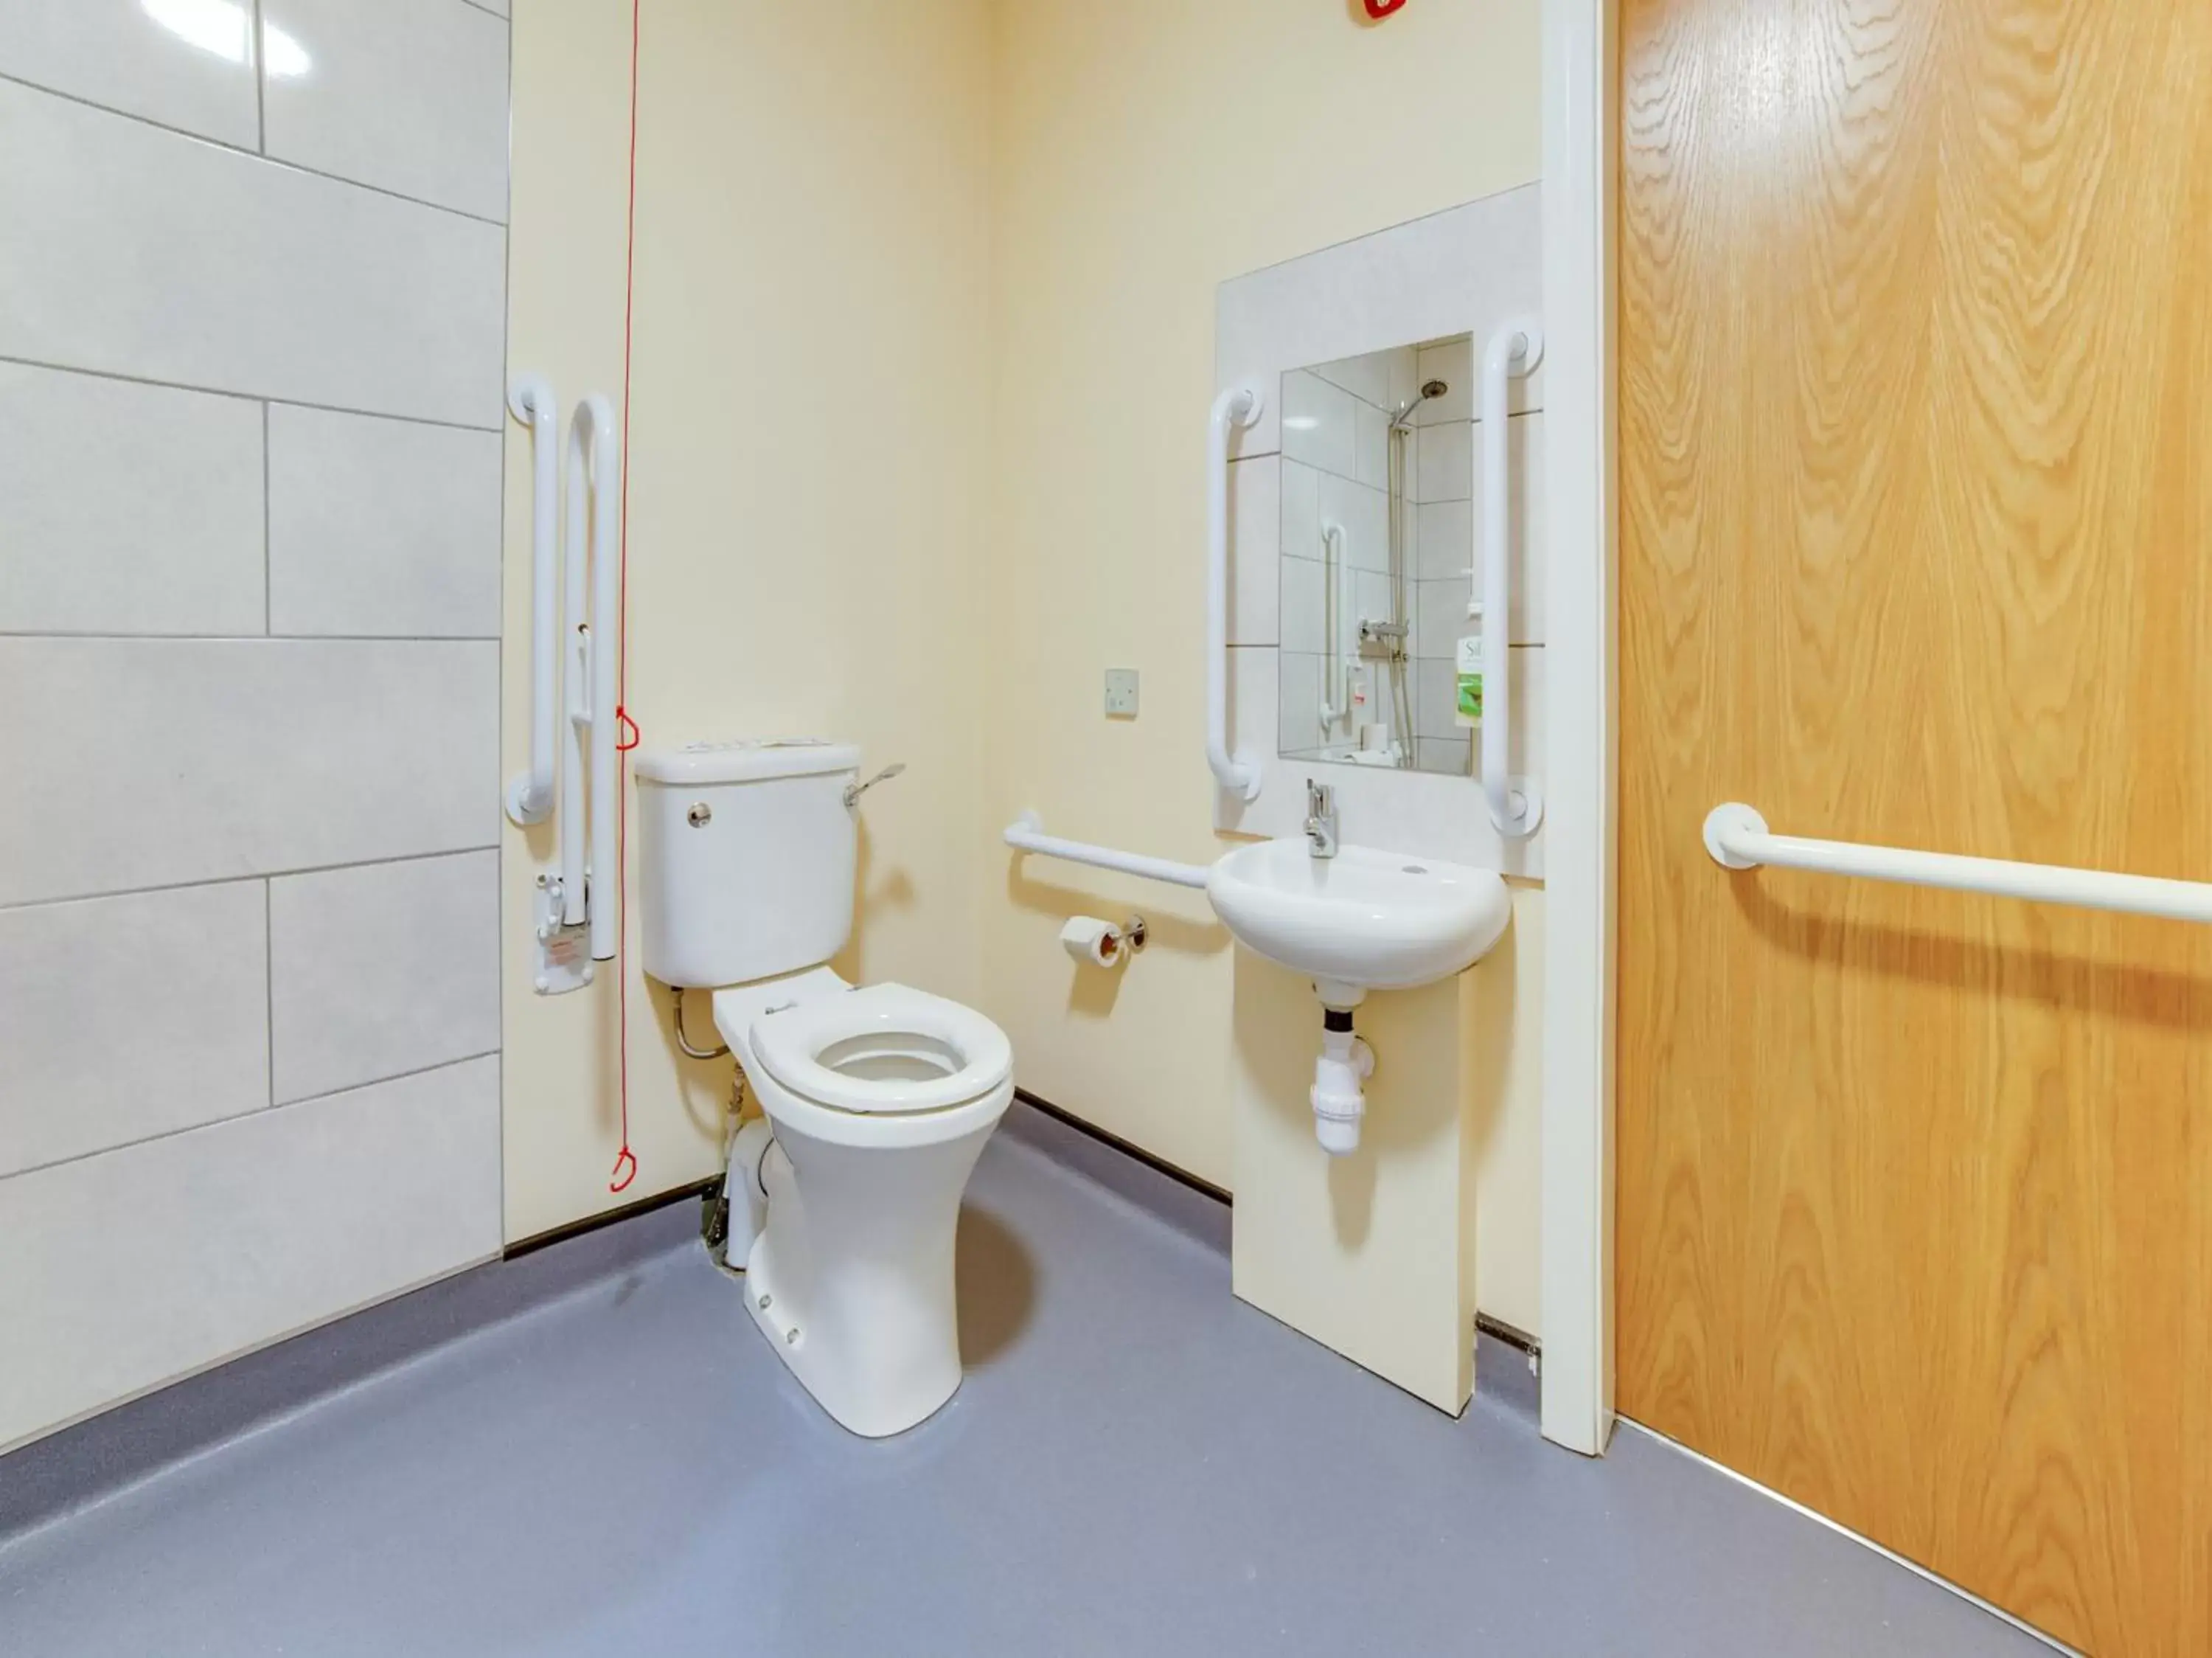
(883, 1049)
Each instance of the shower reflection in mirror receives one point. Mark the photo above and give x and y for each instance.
(1378, 559)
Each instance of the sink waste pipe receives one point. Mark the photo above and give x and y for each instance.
(1339, 1094)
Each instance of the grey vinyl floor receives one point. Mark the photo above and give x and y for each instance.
(1137, 1464)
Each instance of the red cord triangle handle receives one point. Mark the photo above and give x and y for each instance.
(1379, 9)
(624, 1171)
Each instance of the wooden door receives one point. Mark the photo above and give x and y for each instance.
(1915, 1215)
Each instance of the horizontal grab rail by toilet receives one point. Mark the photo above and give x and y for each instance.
(1737, 836)
(1025, 834)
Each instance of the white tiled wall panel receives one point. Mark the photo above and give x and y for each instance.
(157, 762)
(1254, 515)
(146, 1264)
(1445, 468)
(1317, 427)
(381, 527)
(126, 1017)
(248, 902)
(134, 250)
(1363, 513)
(127, 508)
(409, 95)
(192, 71)
(382, 969)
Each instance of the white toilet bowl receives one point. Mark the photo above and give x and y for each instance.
(879, 1101)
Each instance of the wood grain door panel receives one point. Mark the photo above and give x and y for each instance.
(1915, 1189)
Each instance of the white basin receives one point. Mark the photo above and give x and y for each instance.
(1364, 920)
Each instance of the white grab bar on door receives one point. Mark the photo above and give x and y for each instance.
(530, 794)
(1737, 838)
(1516, 806)
(592, 886)
(1026, 834)
(1239, 405)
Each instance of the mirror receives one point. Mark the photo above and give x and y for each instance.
(1378, 556)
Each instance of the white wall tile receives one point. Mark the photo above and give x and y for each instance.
(1447, 756)
(381, 527)
(1255, 516)
(1367, 378)
(1365, 516)
(136, 251)
(127, 508)
(1252, 693)
(1445, 471)
(1317, 422)
(1370, 603)
(143, 1265)
(1370, 445)
(381, 969)
(115, 52)
(1436, 697)
(1301, 487)
(126, 1017)
(408, 95)
(160, 762)
(1445, 540)
(1299, 714)
(1440, 616)
(1306, 600)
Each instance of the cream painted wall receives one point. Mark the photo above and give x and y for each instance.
(924, 339)
(1142, 152)
(808, 440)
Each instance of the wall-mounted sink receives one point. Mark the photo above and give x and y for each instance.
(1358, 921)
(1362, 920)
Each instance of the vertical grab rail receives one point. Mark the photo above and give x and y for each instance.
(590, 884)
(1335, 671)
(530, 793)
(1237, 405)
(1516, 806)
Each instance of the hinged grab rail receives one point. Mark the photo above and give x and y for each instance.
(1737, 838)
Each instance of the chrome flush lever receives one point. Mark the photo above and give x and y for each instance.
(854, 790)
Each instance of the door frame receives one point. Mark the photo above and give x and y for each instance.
(1580, 116)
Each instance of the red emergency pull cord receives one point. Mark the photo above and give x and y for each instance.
(625, 1168)
(1378, 9)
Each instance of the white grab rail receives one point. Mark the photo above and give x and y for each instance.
(1026, 834)
(530, 794)
(1516, 807)
(1737, 838)
(1336, 660)
(1239, 405)
(592, 886)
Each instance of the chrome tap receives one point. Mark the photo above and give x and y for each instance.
(1321, 818)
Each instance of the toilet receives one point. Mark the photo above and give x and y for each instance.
(845, 1199)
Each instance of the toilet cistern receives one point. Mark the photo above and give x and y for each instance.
(1353, 920)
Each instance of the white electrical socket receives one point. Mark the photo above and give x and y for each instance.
(1121, 693)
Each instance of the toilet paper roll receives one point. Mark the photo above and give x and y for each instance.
(1088, 939)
